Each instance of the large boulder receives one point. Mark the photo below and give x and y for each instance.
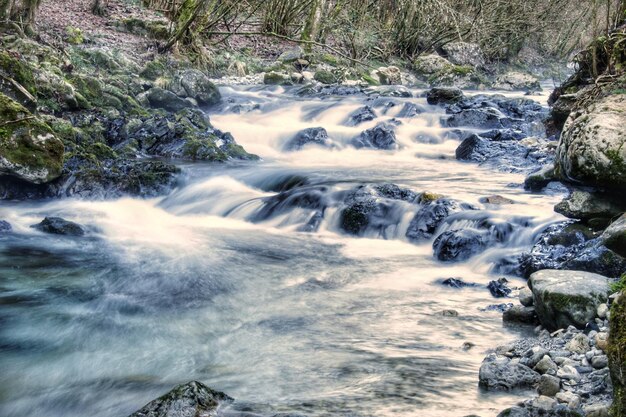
(444, 95)
(517, 81)
(461, 244)
(431, 64)
(291, 55)
(464, 53)
(430, 216)
(617, 354)
(614, 237)
(28, 148)
(592, 149)
(167, 100)
(361, 115)
(197, 85)
(389, 75)
(193, 399)
(586, 206)
(59, 226)
(564, 298)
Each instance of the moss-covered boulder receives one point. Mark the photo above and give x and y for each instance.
(617, 354)
(431, 64)
(592, 149)
(194, 84)
(325, 77)
(277, 78)
(564, 298)
(517, 81)
(16, 77)
(28, 148)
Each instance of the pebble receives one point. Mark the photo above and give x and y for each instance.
(602, 339)
(602, 311)
(600, 361)
(596, 410)
(544, 403)
(545, 365)
(449, 313)
(578, 344)
(569, 398)
(568, 372)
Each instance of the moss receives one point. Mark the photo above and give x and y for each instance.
(325, 77)
(153, 70)
(427, 197)
(561, 302)
(18, 70)
(462, 69)
(74, 35)
(619, 285)
(369, 79)
(20, 140)
(329, 59)
(149, 28)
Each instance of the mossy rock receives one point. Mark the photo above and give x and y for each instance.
(154, 70)
(325, 77)
(74, 35)
(276, 78)
(13, 68)
(154, 29)
(28, 148)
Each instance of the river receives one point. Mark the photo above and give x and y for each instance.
(210, 283)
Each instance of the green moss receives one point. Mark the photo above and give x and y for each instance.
(561, 302)
(427, 197)
(329, 59)
(369, 79)
(325, 77)
(153, 70)
(462, 69)
(18, 70)
(20, 140)
(74, 35)
(619, 285)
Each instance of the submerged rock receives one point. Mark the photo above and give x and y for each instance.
(59, 226)
(193, 399)
(592, 149)
(431, 215)
(361, 115)
(310, 136)
(461, 244)
(382, 136)
(499, 288)
(5, 226)
(564, 298)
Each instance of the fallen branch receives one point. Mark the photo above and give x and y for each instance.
(294, 40)
(17, 121)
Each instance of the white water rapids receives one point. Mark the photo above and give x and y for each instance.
(193, 286)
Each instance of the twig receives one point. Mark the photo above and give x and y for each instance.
(290, 39)
(17, 121)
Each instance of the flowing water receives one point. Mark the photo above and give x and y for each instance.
(210, 283)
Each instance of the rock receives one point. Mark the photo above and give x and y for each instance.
(361, 115)
(564, 298)
(381, 136)
(464, 53)
(548, 385)
(502, 374)
(544, 403)
(602, 310)
(59, 226)
(456, 283)
(431, 215)
(496, 200)
(520, 314)
(533, 356)
(410, 110)
(546, 366)
(167, 100)
(198, 86)
(526, 297)
(568, 372)
(562, 108)
(614, 237)
(192, 399)
(499, 288)
(569, 398)
(444, 95)
(578, 344)
(598, 410)
(540, 179)
(291, 55)
(517, 81)
(29, 150)
(584, 205)
(600, 361)
(277, 78)
(602, 340)
(431, 64)
(394, 91)
(616, 351)
(460, 244)
(325, 77)
(310, 136)
(5, 226)
(449, 313)
(389, 75)
(592, 148)
(530, 409)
